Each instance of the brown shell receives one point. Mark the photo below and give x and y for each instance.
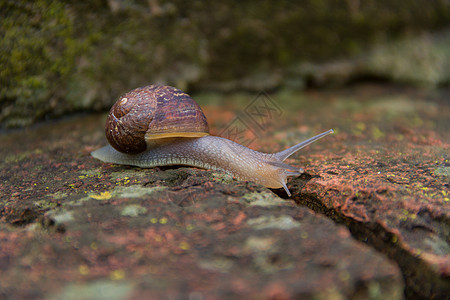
(153, 112)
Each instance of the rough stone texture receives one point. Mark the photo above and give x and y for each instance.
(60, 57)
(74, 228)
(386, 177)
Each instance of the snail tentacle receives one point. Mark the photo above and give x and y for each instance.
(282, 155)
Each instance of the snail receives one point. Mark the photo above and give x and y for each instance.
(160, 126)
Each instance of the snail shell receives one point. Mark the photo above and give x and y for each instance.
(144, 117)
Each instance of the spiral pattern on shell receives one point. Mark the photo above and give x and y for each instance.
(153, 112)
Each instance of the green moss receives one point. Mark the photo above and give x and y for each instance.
(133, 210)
(222, 177)
(422, 61)
(100, 289)
(282, 222)
(21, 156)
(45, 204)
(442, 171)
(37, 54)
(263, 199)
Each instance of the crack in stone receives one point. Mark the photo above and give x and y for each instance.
(421, 282)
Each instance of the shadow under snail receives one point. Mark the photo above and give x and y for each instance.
(160, 126)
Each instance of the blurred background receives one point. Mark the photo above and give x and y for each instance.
(62, 57)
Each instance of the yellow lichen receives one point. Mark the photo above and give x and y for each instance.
(101, 196)
(117, 274)
(84, 270)
(184, 245)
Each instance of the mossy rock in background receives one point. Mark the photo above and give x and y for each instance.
(61, 57)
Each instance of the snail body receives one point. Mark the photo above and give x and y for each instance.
(160, 126)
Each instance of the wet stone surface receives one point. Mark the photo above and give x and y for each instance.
(369, 218)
